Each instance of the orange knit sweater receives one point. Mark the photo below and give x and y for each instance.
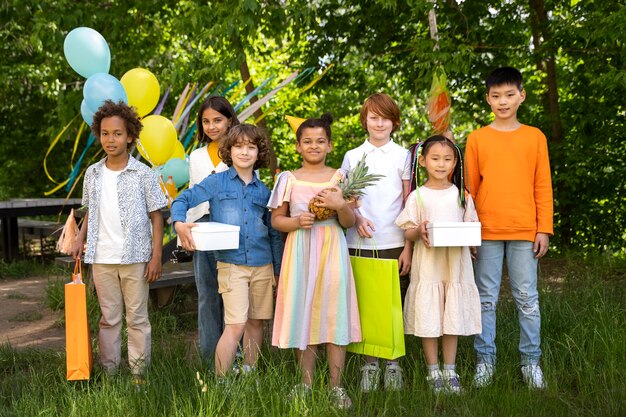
(508, 175)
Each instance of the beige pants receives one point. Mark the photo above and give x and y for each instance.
(119, 285)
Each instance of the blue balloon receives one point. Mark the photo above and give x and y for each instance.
(100, 87)
(86, 112)
(87, 52)
(178, 169)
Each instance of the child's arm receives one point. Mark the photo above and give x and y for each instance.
(332, 198)
(153, 270)
(406, 189)
(203, 191)
(472, 173)
(363, 225)
(418, 233)
(544, 200)
(282, 222)
(276, 243)
(404, 260)
(77, 247)
(541, 244)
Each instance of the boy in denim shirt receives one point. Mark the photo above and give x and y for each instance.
(245, 275)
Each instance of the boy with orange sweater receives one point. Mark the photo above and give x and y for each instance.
(508, 175)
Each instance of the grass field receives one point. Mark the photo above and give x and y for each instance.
(583, 304)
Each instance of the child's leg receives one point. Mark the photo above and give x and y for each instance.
(488, 269)
(450, 377)
(306, 361)
(522, 266)
(233, 283)
(448, 346)
(135, 290)
(227, 347)
(261, 307)
(336, 363)
(210, 308)
(431, 350)
(252, 340)
(110, 298)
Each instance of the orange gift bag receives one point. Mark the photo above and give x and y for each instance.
(79, 358)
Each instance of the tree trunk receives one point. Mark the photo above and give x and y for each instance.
(245, 75)
(541, 33)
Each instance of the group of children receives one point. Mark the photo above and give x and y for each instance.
(504, 183)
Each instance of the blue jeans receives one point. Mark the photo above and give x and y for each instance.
(522, 267)
(210, 307)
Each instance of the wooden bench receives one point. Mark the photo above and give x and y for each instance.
(173, 274)
(30, 229)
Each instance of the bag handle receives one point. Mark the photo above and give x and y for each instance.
(357, 251)
(77, 276)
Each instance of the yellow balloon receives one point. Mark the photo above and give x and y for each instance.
(157, 139)
(142, 89)
(179, 151)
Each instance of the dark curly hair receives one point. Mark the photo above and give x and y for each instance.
(220, 105)
(246, 133)
(121, 110)
(324, 122)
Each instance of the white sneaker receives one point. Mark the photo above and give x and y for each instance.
(299, 392)
(533, 377)
(340, 397)
(370, 377)
(435, 380)
(393, 377)
(483, 375)
(451, 381)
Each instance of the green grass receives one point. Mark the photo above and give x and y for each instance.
(27, 316)
(584, 343)
(26, 268)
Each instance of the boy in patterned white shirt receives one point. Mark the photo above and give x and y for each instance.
(124, 230)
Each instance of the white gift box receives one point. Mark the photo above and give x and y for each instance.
(215, 236)
(454, 233)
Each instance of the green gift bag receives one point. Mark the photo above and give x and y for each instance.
(380, 307)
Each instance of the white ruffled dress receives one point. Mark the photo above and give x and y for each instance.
(442, 297)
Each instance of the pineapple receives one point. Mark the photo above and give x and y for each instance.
(352, 186)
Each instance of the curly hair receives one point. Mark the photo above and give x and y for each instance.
(124, 112)
(246, 133)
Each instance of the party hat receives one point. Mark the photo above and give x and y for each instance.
(294, 122)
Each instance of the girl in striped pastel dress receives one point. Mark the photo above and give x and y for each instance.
(316, 301)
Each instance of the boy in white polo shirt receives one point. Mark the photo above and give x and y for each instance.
(375, 226)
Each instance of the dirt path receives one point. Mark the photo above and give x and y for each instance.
(25, 321)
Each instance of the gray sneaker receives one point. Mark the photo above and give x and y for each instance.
(484, 375)
(435, 380)
(340, 398)
(370, 377)
(533, 377)
(393, 377)
(451, 381)
(299, 392)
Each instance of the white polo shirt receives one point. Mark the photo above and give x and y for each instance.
(381, 202)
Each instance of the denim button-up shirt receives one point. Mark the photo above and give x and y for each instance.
(138, 194)
(233, 202)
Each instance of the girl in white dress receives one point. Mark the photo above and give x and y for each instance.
(442, 300)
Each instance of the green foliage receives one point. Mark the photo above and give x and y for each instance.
(382, 45)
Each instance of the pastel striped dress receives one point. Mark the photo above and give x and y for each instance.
(316, 298)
